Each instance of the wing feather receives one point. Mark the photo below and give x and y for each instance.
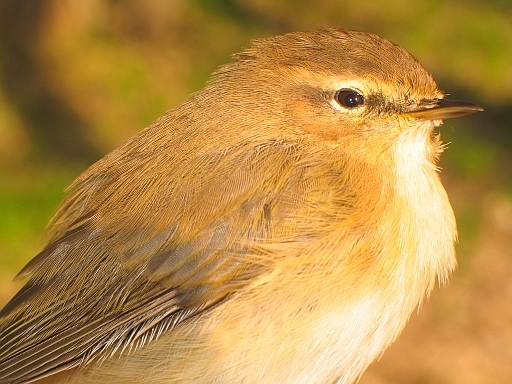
(131, 259)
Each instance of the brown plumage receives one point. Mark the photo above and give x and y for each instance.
(278, 227)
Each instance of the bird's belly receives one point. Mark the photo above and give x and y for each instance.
(320, 347)
(321, 344)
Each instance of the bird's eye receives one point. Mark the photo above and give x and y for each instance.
(348, 98)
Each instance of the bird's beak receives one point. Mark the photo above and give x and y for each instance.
(440, 109)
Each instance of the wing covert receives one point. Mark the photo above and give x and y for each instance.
(125, 266)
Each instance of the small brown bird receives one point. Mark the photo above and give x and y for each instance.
(280, 226)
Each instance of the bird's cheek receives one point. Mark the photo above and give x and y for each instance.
(328, 127)
(327, 132)
(311, 116)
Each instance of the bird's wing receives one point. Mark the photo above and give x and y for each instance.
(136, 250)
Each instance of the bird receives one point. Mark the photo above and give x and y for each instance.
(279, 226)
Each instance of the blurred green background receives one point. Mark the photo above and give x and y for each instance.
(78, 77)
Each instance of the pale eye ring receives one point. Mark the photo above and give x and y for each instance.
(348, 98)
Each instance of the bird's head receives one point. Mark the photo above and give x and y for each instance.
(339, 85)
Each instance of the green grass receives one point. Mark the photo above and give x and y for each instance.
(28, 198)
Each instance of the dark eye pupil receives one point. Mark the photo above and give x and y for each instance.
(349, 98)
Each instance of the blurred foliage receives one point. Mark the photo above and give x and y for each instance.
(78, 77)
